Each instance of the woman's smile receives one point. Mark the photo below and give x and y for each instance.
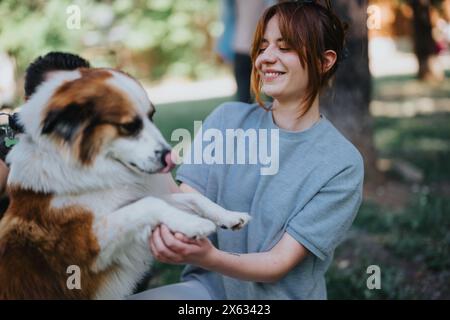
(271, 75)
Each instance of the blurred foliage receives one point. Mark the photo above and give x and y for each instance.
(149, 38)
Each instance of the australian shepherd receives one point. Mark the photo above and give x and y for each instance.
(88, 183)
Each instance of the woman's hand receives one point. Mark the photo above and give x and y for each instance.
(176, 248)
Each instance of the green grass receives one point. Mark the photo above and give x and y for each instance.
(423, 141)
(419, 232)
(410, 244)
(422, 233)
(351, 283)
(164, 274)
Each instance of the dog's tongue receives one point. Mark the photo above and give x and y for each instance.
(169, 163)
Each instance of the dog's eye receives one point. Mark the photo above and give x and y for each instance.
(131, 128)
(151, 114)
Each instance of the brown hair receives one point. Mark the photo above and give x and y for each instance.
(310, 29)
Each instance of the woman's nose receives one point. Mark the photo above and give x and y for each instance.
(268, 56)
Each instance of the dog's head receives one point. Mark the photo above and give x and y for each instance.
(97, 113)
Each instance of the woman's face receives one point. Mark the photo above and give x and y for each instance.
(279, 67)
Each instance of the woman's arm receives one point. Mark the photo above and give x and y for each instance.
(267, 266)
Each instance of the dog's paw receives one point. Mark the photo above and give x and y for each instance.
(201, 229)
(195, 228)
(233, 220)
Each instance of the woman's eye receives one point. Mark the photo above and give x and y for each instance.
(261, 50)
(285, 49)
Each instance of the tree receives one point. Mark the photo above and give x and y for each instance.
(424, 44)
(346, 104)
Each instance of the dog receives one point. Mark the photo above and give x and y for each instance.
(89, 181)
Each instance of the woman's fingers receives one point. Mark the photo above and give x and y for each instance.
(168, 247)
(155, 252)
(161, 251)
(173, 242)
(155, 245)
(185, 239)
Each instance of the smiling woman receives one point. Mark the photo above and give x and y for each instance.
(301, 213)
(291, 55)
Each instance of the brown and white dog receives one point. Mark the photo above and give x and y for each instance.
(87, 184)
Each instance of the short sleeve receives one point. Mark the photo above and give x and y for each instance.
(322, 223)
(196, 174)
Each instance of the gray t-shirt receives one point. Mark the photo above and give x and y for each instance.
(314, 197)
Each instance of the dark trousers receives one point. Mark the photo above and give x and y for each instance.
(242, 74)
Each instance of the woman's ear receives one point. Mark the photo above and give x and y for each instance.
(329, 59)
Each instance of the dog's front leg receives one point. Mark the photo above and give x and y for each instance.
(206, 208)
(132, 224)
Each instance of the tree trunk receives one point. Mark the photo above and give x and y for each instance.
(346, 104)
(424, 44)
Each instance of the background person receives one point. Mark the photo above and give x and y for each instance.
(240, 18)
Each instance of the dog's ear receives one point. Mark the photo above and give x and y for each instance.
(66, 122)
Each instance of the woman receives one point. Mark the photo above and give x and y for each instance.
(300, 214)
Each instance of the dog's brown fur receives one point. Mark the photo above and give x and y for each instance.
(38, 244)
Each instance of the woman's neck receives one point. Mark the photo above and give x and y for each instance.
(285, 115)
